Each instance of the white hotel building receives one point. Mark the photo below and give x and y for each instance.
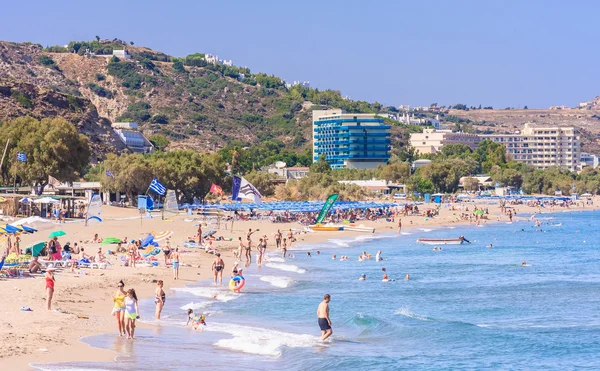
(543, 147)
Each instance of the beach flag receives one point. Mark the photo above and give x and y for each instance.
(21, 157)
(110, 174)
(243, 189)
(53, 182)
(326, 207)
(157, 187)
(216, 189)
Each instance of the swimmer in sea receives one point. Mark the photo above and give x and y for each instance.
(385, 278)
(378, 256)
(363, 277)
(407, 277)
(333, 257)
(490, 246)
(524, 264)
(196, 320)
(308, 254)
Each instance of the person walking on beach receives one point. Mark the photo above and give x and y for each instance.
(240, 249)
(132, 312)
(160, 298)
(119, 308)
(199, 233)
(399, 225)
(218, 266)
(49, 287)
(175, 261)
(323, 317)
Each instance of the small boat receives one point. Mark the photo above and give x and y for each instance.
(326, 227)
(443, 241)
(359, 228)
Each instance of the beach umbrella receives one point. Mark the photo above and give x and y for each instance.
(57, 233)
(208, 234)
(162, 235)
(36, 248)
(25, 200)
(111, 240)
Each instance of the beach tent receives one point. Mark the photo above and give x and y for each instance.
(46, 200)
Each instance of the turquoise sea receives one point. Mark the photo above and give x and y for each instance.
(465, 307)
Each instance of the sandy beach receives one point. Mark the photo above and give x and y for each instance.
(85, 297)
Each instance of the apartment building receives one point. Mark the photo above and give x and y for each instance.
(543, 147)
(433, 140)
(350, 140)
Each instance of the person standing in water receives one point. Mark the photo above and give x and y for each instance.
(323, 317)
(132, 312)
(278, 239)
(218, 266)
(284, 248)
(175, 261)
(160, 298)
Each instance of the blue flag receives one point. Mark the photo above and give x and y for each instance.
(235, 189)
(110, 174)
(157, 187)
(21, 157)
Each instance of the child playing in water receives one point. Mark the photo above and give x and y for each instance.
(196, 320)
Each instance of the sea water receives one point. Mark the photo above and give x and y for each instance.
(464, 307)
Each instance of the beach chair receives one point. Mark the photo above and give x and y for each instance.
(98, 265)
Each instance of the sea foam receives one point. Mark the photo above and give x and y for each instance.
(286, 267)
(277, 281)
(407, 313)
(209, 292)
(262, 341)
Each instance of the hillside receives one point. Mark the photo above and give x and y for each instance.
(200, 105)
(505, 121)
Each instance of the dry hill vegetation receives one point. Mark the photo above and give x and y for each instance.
(201, 106)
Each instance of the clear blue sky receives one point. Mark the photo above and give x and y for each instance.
(500, 53)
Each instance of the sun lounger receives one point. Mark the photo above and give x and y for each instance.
(98, 265)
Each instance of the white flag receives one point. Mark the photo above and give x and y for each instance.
(248, 191)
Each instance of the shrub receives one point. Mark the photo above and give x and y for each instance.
(160, 119)
(126, 72)
(100, 77)
(100, 91)
(48, 62)
(178, 66)
(22, 98)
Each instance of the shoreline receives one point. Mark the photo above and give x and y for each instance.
(94, 290)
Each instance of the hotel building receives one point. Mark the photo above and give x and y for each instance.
(433, 140)
(350, 140)
(543, 147)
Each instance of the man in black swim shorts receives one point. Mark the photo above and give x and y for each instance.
(323, 317)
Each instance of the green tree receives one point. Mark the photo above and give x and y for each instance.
(97, 38)
(159, 141)
(52, 146)
(178, 66)
(321, 166)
